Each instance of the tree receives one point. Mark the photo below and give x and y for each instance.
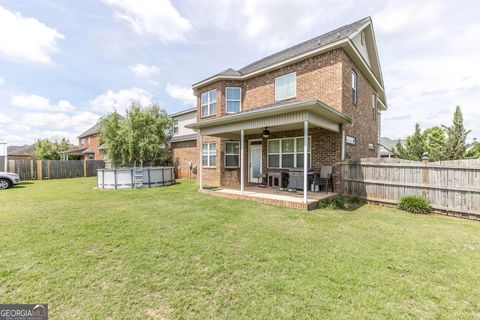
(50, 150)
(473, 151)
(434, 141)
(413, 148)
(139, 137)
(455, 145)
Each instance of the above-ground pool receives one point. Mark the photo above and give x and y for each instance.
(146, 177)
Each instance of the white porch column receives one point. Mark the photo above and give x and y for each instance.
(242, 161)
(305, 161)
(200, 164)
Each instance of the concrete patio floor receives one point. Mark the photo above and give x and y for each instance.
(273, 196)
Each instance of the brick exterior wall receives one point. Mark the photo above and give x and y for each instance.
(94, 144)
(183, 153)
(326, 77)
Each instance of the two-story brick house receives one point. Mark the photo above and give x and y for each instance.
(184, 144)
(253, 120)
(89, 147)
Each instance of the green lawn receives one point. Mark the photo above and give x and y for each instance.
(173, 253)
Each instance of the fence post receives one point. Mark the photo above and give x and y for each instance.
(84, 168)
(49, 168)
(39, 170)
(31, 169)
(425, 175)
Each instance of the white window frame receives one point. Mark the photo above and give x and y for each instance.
(83, 141)
(294, 87)
(374, 106)
(231, 154)
(233, 100)
(209, 103)
(89, 141)
(354, 87)
(209, 153)
(175, 126)
(295, 153)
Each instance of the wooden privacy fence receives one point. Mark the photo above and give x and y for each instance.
(451, 186)
(54, 169)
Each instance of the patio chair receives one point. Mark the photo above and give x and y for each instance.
(326, 178)
(262, 180)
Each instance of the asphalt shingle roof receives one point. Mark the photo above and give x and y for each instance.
(299, 49)
(93, 130)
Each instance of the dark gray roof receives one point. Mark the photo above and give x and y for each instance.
(185, 137)
(23, 151)
(93, 130)
(229, 72)
(307, 46)
(11, 149)
(388, 144)
(299, 49)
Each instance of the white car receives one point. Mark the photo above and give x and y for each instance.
(8, 179)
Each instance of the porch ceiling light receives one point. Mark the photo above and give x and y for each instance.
(266, 133)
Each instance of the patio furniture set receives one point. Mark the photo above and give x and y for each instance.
(293, 180)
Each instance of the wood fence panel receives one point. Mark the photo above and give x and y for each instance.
(54, 169)
(449, 185)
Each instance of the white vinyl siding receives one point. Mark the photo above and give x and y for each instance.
(354, 87)
(287, 153)
(209, 103)
(286, 86)
(234, 99)
(209, 154)
(232, 154)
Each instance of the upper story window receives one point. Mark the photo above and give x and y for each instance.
(83, 141)
(354, 88)
(209, 154)
(286, 86)
(175, 126)
(234, 99)
(89, 140)
(374, 106)
(209, 103)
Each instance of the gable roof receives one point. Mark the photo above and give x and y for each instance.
(338, 38)
(91, 131)
(22, 151)
(307, 46)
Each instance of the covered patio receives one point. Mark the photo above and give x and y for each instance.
(258, 126)
(273, 196)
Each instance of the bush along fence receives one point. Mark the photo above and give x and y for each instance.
(452, 187)
(54, 169)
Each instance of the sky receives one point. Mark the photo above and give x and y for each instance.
(64, 64)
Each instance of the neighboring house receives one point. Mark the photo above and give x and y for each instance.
(21, 152)
(386, 147)
(89, 147)
(184, 144)
(3, 155)
(329, 88)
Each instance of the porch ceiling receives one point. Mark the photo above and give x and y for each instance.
(277, 117)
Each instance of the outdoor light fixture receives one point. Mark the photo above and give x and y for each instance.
(266, 133)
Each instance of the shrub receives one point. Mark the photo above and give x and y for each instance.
(415, 204)
(337, 202)
(355, 199)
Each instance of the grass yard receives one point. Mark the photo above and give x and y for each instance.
(173, 253)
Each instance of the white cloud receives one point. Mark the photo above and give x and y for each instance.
(144, 71)
(4, 120)
(157, 18)
(78, 121)
(121, 99)
(26, 39)
(184, 94)
(34, 102)
(1, 81)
